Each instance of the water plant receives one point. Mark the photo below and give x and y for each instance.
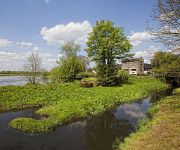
(64, 102)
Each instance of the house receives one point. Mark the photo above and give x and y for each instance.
(136, 66)
(147, 68)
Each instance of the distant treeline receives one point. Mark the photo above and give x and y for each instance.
(4, 73)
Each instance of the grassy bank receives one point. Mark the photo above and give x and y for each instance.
(162, 132)
(64, 102)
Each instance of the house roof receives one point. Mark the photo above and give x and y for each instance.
(147, 66)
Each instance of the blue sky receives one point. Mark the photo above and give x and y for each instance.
(43, 26)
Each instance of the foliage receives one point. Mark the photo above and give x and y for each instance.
(71, 64)
(162, 131)
(166, 27)
(71, 67)
(86, 74)
(63, 102)
(89, 82)
(45, 74)
(55, 75)
(33, 66)
(116, 144)
(165, 62)
(106, 44)
(122, 76)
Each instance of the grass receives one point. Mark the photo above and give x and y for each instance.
(62, 103)
(162, 131)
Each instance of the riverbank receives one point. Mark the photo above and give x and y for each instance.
(62, 103)
(162, 132)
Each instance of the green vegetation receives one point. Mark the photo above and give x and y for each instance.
(64, 102)
(71, 64)
(165, 63)
(162, 131)
(106, 44)
(89, 82)
(55, 75)
(86, 74)
(122, 76)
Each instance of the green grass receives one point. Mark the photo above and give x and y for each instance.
(162, 132)
(62, 103)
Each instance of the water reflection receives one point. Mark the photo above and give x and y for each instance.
(101, 131)
(133, 111)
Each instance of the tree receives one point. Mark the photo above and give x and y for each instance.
(106, 44)
(167, 23)
(70, 63)
(32, 66)
(164, 63)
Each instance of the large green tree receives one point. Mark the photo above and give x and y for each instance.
(70, 63)
(165, 63)
(106, 44)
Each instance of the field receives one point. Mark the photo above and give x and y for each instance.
(64, 102)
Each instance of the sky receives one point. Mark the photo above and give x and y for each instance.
(44, 25)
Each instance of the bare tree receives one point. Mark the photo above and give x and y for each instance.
(32, 66)
(167, 23)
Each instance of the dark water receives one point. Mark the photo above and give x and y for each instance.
(17, 80)
(92, 133)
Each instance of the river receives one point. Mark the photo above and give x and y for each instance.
(92, 133)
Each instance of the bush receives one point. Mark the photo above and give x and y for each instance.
(71, 67)
(88, 82)
(86, 74)
(55, 75)
(122, 76)
(45, 74)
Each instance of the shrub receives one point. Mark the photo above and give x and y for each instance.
(86, 74)
(45, 74)
(122, 76)
(88, 82)
(55, 75)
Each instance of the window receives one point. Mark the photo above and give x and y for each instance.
(133, 69)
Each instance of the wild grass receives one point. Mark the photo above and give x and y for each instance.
(64, 102)
(162, 132)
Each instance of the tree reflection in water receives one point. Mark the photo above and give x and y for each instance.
(101, 131)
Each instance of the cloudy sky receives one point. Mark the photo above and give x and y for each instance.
(44, 25)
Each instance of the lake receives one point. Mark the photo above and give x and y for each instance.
(17, 80)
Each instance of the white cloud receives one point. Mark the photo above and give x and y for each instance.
(148, 53)
(76, 31)
(24, 43)
(8, 55)
(5, 42)
(27, 46)
(15, 61)
(136, 38)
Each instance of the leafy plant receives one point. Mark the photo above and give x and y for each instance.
(63, 102)
(122, 76)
